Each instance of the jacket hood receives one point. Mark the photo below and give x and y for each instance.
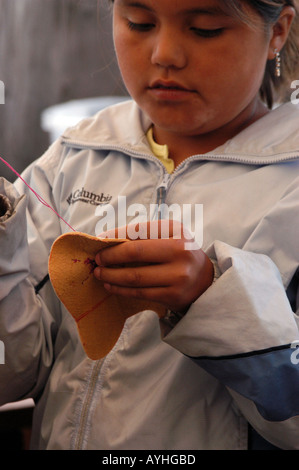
(273, 138)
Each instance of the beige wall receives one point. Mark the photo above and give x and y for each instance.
(51, 51)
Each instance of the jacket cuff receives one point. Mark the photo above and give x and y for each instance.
(9, 199)
(245, 310)
(172, 318)
(6, 208)
(13, 238)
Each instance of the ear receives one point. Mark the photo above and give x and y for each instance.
(280, 30)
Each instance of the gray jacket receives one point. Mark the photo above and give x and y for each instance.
(230, 361)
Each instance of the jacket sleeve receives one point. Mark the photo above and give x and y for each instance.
(28, 318)
(243, 331)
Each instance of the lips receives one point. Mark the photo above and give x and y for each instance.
(168, 85)
(167, 91)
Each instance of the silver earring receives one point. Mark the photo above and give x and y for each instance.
(277, 63)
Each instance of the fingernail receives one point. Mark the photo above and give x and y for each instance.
(97, 273)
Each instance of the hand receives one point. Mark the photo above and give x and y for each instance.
(159, 269)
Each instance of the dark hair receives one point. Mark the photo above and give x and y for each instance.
(273, 89)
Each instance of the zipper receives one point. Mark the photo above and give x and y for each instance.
(85, 410)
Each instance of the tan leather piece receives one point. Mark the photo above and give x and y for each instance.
(100, 316)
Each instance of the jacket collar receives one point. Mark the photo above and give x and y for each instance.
(273, 138)
(122, 125)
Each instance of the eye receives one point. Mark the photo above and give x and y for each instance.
(141, 27)
(208, 33)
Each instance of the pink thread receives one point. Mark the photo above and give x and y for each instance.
(35, 193)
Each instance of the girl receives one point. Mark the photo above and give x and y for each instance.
(203, 76)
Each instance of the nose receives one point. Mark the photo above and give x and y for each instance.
(168, 50)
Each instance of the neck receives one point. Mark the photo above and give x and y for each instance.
(183, 146)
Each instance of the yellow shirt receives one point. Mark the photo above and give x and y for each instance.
(160, 151)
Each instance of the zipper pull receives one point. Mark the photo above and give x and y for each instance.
(161, 194)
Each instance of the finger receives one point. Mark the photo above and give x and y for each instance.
(153, 294)
(136, 277)
(149, 230)
(141, 252)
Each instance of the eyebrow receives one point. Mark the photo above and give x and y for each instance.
(215, 10)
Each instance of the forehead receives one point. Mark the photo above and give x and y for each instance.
(204, 7)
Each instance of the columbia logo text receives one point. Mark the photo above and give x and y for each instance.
(2, 353)
(2, 92)
(88, 197)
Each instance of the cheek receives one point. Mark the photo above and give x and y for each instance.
(234, 75)
(122, 53)
(119, 50)
(250, 56)
(127, 60)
